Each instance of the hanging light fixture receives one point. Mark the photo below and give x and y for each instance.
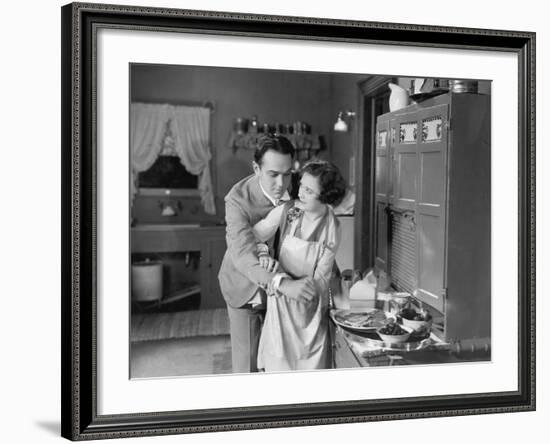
(341, 125)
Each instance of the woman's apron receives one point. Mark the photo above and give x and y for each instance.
(294, 334)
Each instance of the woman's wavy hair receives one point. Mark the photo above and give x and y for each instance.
(333, 185)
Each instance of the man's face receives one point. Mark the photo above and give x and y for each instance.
(274, 173)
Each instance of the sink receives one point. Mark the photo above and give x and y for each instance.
(175, 238)
(176, 227)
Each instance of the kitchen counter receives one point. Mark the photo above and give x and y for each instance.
(351, 348)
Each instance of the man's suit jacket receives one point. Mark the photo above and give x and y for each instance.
(240, 273)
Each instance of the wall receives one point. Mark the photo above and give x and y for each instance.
(345, 93)
(272, 96)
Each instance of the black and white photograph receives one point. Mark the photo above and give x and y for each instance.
(274, 222)
(285, 220)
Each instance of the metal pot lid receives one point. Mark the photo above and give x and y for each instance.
(146, 263)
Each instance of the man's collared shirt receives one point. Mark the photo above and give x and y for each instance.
(285, 197)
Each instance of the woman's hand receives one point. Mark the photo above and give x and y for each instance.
(268, 263)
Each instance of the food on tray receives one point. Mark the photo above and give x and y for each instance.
(367, 319)
(393, 333)
(418, 321)
(422, 317)
(412, 315)
(392, 329)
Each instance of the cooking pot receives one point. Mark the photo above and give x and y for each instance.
(147, 280)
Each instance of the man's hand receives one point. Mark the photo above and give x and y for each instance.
(267, 262)
(301, 290)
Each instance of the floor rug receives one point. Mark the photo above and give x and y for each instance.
(178, 325)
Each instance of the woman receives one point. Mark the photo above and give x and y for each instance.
(295, 334)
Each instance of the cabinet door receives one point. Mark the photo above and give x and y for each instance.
(342, 354)
(381, 187)
(404, 171)
(212, 251)
(218, 247)
(404, 165)
(431, 205)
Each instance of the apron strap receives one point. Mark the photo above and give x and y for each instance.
(293, 227)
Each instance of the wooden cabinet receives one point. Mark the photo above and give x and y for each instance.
(208, 240)
(433, 207)
(212, 252)
(342, 354)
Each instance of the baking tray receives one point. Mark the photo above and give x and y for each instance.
(351, 319)
(369, 340)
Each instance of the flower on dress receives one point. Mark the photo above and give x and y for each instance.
(293, 214)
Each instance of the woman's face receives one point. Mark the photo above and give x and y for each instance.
(309, 192)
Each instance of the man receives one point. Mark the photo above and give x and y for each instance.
(241, 276)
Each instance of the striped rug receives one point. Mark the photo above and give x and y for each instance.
(177, 325)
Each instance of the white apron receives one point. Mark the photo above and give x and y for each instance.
(294, 335)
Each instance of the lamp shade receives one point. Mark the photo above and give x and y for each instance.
(340, 125)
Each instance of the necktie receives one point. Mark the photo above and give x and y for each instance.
(276, 243)
(277, 238)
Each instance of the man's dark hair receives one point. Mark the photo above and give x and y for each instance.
(279, 144)
(333, 185)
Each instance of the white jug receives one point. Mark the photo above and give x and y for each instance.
(398, 97)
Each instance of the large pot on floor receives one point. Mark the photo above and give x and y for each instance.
(147, 280)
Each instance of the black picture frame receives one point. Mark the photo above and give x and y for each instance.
(80, 420)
